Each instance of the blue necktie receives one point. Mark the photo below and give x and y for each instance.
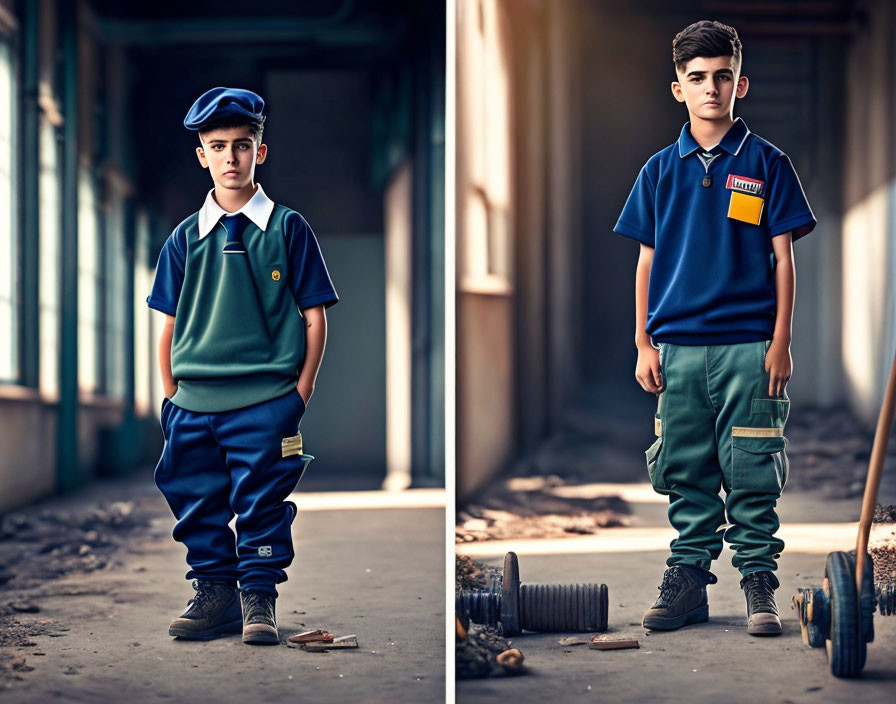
(234, 224)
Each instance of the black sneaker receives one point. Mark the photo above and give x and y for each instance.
(762, 612)
(682, 599)
(259, 622)
(214, 611)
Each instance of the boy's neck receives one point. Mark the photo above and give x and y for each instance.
(708, 133)
(231, 199)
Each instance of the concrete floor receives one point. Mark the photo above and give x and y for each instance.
(712, 662)
(375, 573)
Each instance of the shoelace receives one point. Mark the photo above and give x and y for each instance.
(761, 595)
(671, 584)
(258, 606)
(204, 592)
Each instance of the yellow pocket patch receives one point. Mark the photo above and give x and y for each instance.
(291, 446)
(745, 207)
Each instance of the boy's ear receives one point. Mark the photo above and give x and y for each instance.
(677, 91)
(262, 154)
(200, 154)
(743, 85)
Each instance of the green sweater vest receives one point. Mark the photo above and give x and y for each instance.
(238, 335)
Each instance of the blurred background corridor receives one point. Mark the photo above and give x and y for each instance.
(96, 169)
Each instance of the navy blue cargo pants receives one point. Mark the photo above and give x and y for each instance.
(219, 465)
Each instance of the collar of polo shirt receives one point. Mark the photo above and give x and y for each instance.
(258, 210)
(732, 141)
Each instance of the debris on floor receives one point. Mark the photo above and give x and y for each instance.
(607, 643)
(470, 574)
(45, 545)
(483, 653)
(320, 641)
(341, 643)
(511, 660)
(573, 640)
(316, 636)
(882, 543)
(882, 548)
(505, 511)
(40, 546)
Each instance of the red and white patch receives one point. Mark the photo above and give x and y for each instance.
(745, 184)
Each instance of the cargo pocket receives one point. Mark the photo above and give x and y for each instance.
(654, 469)
(772, 411)
(758, 460)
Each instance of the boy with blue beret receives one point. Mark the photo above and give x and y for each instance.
(243, 287)
(716, 214)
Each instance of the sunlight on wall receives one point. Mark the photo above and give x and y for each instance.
(143, 275)
(88, 252)
(49, 256)
(868, 315)
(114, 272)
(398, 330)
(8, 255)
(484, 188)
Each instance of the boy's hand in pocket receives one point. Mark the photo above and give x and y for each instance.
(779, 365)
(648, 371)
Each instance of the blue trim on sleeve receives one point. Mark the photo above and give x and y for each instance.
(626, 231)
(169, 278)
(799, 225)
(159, 305)
(308, 277)
(324, 298)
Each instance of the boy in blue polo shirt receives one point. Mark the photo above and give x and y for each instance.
(239, 363)
(715, 214)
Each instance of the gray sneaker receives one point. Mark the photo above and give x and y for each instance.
(762, 611)
(214, 611)
(259, 621)
(682, 599)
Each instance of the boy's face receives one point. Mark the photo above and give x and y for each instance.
(708, 86)
(230, 154)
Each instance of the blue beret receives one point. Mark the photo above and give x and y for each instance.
(220, 103)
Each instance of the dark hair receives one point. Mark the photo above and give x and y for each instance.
(255, 125)
(707, 39)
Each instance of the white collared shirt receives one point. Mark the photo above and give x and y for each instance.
(258, 209)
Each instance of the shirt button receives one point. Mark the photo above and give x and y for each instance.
(707, 181)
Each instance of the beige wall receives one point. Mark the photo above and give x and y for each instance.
(485, 283)
(518, 229)
(869, 220)
(28, 466)
(28, 439)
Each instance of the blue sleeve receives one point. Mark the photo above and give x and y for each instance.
(638, 219)
(307, 273)
(169, 275)
(787, 209)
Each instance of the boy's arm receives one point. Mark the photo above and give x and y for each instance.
(778, 362)
(168, 383)
(647, 370)
(315, 342)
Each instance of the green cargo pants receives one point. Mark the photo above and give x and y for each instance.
(716, 428)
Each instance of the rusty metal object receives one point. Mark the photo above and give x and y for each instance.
(516, 607)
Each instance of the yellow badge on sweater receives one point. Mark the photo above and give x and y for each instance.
(745, 207)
